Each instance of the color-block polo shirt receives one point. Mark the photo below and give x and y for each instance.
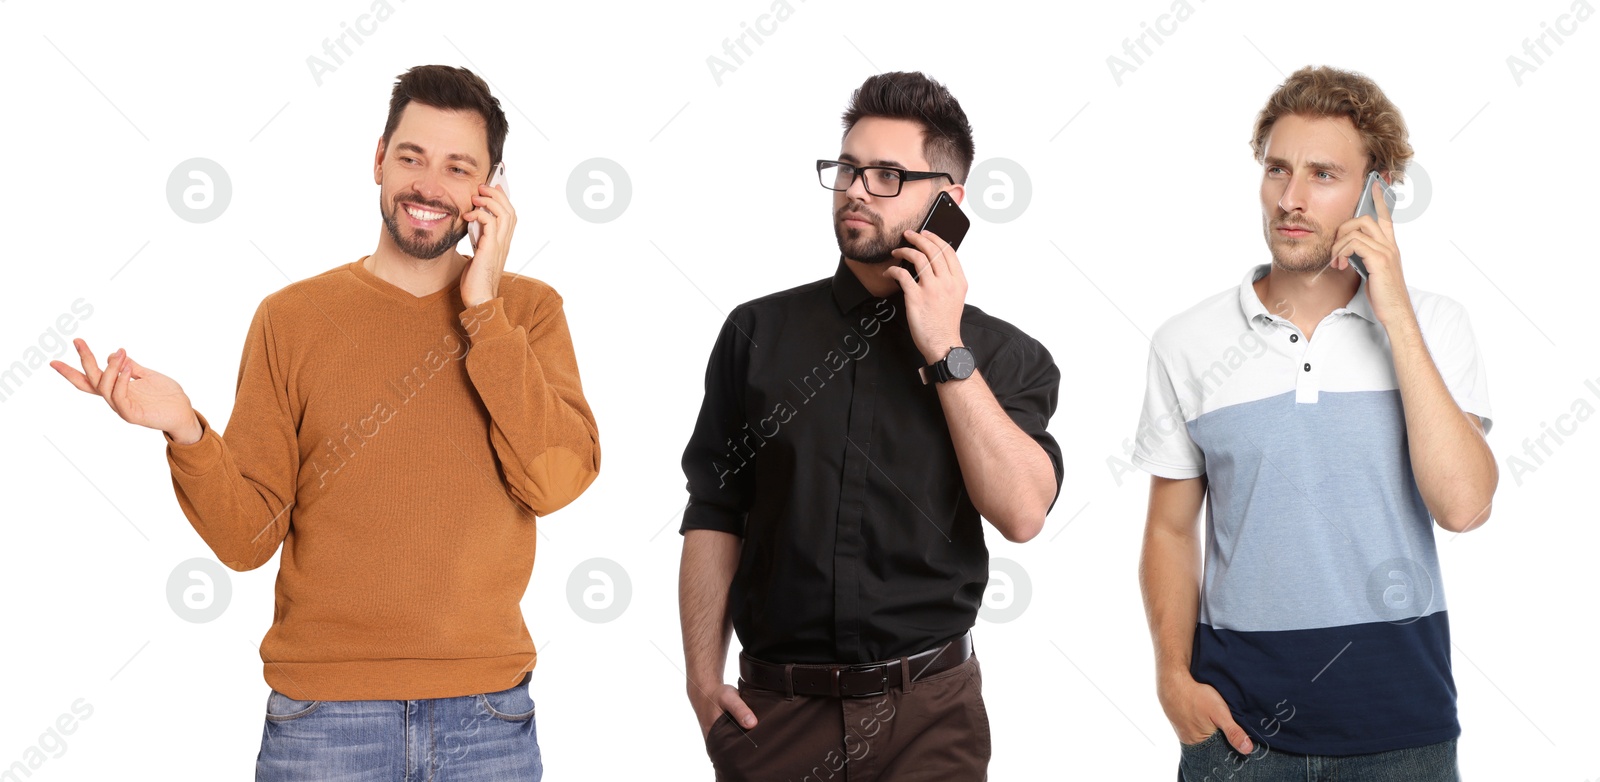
(1322, 613)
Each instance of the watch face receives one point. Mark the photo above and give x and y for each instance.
(961, 363)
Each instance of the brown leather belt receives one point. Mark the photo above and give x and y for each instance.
(852, 681)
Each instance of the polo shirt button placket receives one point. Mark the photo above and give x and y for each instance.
(1306, 390)
(1305, 385)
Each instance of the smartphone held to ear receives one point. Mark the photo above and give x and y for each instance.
(1367, 206)
(946, 220)
(498, 178)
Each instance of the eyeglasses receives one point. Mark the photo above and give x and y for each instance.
(881, 181)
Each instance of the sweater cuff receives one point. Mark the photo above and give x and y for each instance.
(198, 457)
(486, 321)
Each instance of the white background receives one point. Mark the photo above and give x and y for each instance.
(1147, 188)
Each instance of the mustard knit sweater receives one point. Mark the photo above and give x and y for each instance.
(400, 448)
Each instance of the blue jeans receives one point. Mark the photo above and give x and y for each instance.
(1214, 760)
(466, 739)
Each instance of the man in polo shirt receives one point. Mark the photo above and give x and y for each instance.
(1327, 420)
(842, 457)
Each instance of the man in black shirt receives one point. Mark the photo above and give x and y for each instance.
(853, 431)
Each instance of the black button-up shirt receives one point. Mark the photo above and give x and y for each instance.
(818, 444)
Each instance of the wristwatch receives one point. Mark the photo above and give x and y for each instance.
(958, 364)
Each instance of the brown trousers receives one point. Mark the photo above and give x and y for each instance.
(934, 728)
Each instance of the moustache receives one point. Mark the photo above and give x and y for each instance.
(861, 214)
(1296, 226)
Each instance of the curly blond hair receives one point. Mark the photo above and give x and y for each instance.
(1321, 91)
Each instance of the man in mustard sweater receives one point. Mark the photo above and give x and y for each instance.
(400, 423)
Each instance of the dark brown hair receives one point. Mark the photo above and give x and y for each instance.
(1322, 91)
(946, 135)
(451, 88)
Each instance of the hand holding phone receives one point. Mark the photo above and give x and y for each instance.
(1368, 206)
(946, 220)
(497, 179)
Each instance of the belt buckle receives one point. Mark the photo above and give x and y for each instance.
(883, 679)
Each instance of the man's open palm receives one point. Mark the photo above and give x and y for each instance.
(138, 394)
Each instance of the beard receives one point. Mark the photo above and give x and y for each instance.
(416, 244)
(1306, 254)
(872, 245)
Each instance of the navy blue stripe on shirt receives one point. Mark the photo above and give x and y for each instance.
(1347, 690)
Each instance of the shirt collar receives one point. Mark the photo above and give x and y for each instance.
(848, 292)
(1255, 311)
(1360, 305)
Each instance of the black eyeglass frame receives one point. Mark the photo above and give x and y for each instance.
(859, 173)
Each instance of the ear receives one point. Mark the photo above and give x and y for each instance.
(377, 164)
(1388, 178)
(958, 193)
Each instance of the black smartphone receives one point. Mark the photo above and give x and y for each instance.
(946, 220)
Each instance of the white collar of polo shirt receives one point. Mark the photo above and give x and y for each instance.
(1256, 313)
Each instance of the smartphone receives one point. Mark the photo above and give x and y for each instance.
(1367, 206)
(946, 220)
(497, 178)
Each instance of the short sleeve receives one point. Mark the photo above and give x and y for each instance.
(1025, 381)
(720, 492)
(1162, 445)
(1455, 352)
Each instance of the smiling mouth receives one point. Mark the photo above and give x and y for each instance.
(423, 215)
